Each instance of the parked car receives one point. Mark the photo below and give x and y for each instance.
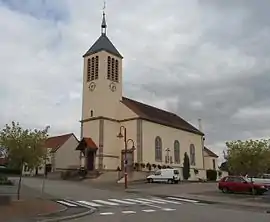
(239, 184)
(165, 175)
(263, 179)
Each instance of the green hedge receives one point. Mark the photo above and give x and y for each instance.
(9, 171)
(4, 180)
(211, 175)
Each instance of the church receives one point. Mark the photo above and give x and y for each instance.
(116, 130)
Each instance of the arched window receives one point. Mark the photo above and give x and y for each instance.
(116, 71)
(109, 76)
(112, 69)
(192, 154)
(176, 151)
(88, 70)
(158, 149)
(96, 67)
(92, 69)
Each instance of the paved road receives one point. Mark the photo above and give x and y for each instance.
(117, 205)
(184, 212)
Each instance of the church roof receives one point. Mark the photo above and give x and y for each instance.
(103, 43)
(159, 116)
(210, 152)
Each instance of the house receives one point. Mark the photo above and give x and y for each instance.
(210, 159)
(3, 156)
(61, 155)
(117, 131)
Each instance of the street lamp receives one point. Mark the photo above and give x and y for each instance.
(126, 141)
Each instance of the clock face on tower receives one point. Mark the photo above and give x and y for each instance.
(112, 87)
(92, 86)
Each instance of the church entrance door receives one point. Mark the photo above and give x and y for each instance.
(91, 160)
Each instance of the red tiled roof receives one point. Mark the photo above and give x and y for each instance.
(159, 116)
(57, 141)
(90, 143)
(86, 142)
(210, 153)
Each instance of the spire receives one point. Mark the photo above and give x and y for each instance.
(103, 24)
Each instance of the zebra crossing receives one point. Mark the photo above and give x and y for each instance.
(112, 202)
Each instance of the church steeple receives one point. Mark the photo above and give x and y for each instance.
(103, 42)
(103, 24)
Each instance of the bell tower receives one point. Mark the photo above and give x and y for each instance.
(102, 78)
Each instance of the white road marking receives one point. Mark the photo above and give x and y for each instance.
(202, 204)
(106, 213)
(149, 211)
(129, 212)
(121, 201)
(167, 201)
(181, 199)
(137, 201)
(151, 200)
(91, 204)
(66, 203)
(168, 209)
(144, 203)
(106, 202)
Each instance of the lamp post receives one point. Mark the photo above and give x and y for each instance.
(120, 135)
(45, 163)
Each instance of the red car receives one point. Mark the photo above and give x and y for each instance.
(238, 184)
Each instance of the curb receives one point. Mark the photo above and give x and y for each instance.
(68, 217)
(57, 211)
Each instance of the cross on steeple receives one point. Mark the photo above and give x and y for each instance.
(104, 24)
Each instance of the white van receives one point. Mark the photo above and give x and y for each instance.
(165, 175)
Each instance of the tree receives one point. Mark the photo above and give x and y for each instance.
(250, 157)
(186, 167)
(24, 147)
(224, 166)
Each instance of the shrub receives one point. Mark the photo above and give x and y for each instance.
(186, 167)
(4, 180)
(9, 171)
(164, 167)
(136, 166)
(154, 166)
(148, 166)
(143, 165)
(159, 167)
(211, 175)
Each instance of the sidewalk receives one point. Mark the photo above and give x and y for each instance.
(26, 209)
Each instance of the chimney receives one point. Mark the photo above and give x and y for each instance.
(200, 124)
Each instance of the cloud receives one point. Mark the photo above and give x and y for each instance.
(200, 59)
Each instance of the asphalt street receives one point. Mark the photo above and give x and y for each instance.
(184, 212)
(118, 205)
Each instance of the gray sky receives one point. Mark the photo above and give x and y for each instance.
(205, 59)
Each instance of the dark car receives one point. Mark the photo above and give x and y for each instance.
(239, 184)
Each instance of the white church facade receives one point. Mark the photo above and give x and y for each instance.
(153, 136)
